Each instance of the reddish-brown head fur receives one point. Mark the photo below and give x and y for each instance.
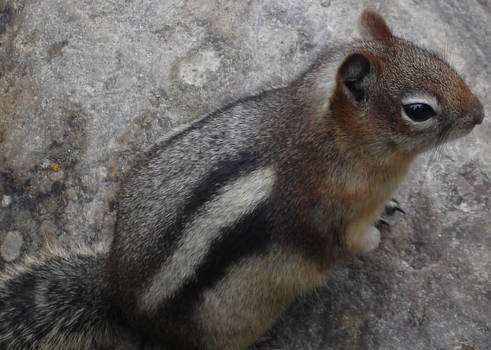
(374, 81)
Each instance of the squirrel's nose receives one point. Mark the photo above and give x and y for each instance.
(478, 112)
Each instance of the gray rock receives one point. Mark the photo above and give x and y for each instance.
(85, 85)
(11, 246)
(6, 200)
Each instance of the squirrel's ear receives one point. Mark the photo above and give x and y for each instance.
(357, 75)
(373, 27)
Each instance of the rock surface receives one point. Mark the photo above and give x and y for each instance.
(85, 85)
(11, 247)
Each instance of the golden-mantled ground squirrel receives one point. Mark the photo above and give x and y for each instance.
(223, 224)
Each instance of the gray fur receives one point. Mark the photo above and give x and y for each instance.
(56, 301)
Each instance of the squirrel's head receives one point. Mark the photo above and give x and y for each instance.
(396, 97)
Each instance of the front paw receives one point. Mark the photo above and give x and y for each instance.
(371, 239)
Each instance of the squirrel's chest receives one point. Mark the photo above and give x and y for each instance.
(364, 200)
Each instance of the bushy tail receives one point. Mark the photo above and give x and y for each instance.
(55, 302)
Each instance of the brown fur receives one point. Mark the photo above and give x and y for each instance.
(373, 26)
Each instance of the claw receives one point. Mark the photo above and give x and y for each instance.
(400, 210)
(380, 224)
(392, 207)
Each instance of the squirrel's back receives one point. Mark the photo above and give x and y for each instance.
(206, 201)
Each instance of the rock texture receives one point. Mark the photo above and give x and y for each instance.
(85, 85)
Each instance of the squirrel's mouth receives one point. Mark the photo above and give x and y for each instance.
(456, 132)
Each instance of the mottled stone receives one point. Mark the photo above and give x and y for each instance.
(86, 85)
(6, 200)
(196, 69)
(23, 221)
(11, 246)
(56, 175)
(48, 228)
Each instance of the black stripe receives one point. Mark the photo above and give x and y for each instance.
(249, 236)
(168, 237)
(226, 171)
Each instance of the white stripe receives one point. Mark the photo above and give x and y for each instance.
(232, 202)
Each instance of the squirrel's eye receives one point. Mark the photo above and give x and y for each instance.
(419, 112)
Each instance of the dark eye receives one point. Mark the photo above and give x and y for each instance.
(419, 112)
